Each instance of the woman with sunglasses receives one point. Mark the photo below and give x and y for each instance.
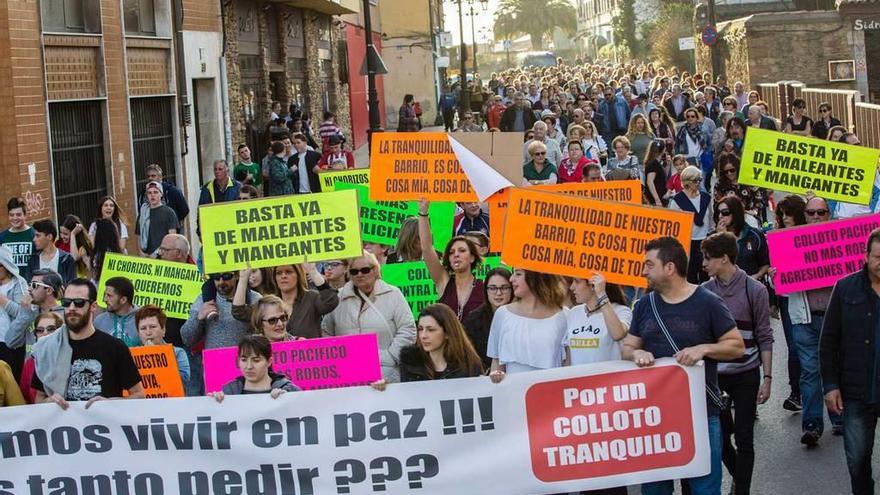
(597, 324)
(367, 304)
(797, 122)
(692, 200)
(269, 318)
(45, 324)
(753, 255)
(497, 293)
(453, 277)
(442, 349)
(754, 199)
(539, 170)
(336, 273)
(825, 121)
(306, 306)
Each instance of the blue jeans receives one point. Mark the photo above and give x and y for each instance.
(709, 484)
(806, 341)
(859, 422)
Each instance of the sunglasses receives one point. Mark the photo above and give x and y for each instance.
(362, 271)
(275, 319)
(823, 110)
(46, 329)
(78, 302)
(539, 153)
(724, 213)
(226, 277)
(813, 213)
(37, 285)
(730, 171)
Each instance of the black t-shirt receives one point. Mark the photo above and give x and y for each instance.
(700, 319)
(659, 181)
(753, 251)
(100, 365)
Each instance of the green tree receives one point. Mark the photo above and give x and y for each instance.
(534, 18)
(624, 25)
(661, 37)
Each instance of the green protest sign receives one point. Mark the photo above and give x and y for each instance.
(414, 281)
(171, 286)
(354, 176)
(381, 220)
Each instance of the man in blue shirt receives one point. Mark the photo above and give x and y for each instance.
(701, 327)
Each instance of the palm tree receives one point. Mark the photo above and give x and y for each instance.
(534, 18)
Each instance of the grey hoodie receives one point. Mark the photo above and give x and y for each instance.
(19, 287)
(750, 306)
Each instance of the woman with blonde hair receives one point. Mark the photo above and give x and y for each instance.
(692, 200)
(269, 317)
(640, 136)
(408, 247)
(539, 170)
(595, 148)
(526, 334)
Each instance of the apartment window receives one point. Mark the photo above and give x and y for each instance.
(71, 16)
(140, 17)
(79, 167)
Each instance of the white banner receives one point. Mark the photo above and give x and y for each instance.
(553, 431)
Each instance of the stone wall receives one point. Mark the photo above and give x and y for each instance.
(771, 47)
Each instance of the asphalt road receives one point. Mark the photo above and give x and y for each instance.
(782, 465)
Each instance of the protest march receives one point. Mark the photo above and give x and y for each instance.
(575, 290)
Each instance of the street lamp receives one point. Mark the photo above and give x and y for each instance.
(465, 99)
(485, 6)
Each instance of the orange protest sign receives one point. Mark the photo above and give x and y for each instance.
(159, 373)
(555, 233)
(624, 191)
(408, 166)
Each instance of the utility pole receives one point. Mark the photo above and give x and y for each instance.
(372, 56)
(464, 100)
(474, 40)
(713, 49)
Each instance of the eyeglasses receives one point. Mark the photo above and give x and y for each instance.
(814, 213)
(78, 302)
(362, 271)
(498, 288)
(724, 213)
(823, 110)
(275, 319)
(729, 170)
(539, 153)
(36, 285)
(332, 264)
(226, 277)
(46, 329)
(695, 181)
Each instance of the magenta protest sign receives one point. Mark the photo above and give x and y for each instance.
(331, 362)
(818, 255)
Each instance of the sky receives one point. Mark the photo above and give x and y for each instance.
(483, 20)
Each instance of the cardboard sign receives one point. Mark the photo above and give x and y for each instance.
(560, 430)
(787, 162)
(624, 191)
(414, 281)
(381, 220)
(311, 364)
(280, 230)
(410, 166)
(171, 286)
(814, 256)
(555, 233)
(160, 375)
(353, 176)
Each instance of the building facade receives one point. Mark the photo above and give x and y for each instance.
(96, 92)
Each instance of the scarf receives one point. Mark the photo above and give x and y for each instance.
(684, 204)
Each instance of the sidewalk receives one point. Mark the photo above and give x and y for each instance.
(362, 155)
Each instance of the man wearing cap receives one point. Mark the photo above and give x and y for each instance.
(155, 220)
(335, 158)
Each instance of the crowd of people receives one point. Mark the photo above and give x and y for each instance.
(681, 135)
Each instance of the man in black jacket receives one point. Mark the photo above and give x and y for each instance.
(306, 160)
(518, 117)
(849, 350)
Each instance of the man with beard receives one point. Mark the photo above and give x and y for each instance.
(79, 363)
(690, 323)
(210, 317)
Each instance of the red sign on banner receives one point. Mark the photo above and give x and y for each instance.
(608, 424)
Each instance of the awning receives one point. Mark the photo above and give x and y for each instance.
(328, 7)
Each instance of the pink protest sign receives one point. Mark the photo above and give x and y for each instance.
(816, 256)
(331, 362)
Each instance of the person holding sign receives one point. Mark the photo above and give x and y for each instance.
(454, 277)
(255, 364)
(305, 306)
(442, 349)
(692, 199)
(538, 170)
(525, 335)
(498, 292)
(369, 305)
(691, 324)
(597, 324)
(150, 321)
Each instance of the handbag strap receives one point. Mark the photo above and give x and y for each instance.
(713, 395)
